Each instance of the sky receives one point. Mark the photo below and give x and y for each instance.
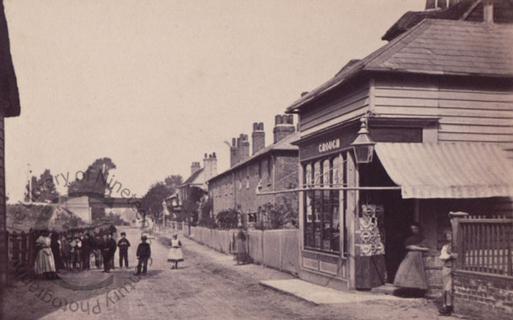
(155, 84)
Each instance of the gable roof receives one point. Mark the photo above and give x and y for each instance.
(470, 10)
(283, 145)
(439, 47)
(196, 178)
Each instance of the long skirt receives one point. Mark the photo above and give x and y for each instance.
(447, 278)
(240, 250)
(411, 273)
(175, 254)
(44, 261)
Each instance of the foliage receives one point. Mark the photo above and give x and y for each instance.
(206, 218)
(94, 181)
(112, 218)
(42, 189)
(190, 206)
(228, 219)
(151, 202)
(277, 216)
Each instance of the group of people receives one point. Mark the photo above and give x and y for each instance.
(411, 275)
(76, 252)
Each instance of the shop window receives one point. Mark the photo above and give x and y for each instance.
(322, 205)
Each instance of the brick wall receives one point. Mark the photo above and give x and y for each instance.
(483, 296)
(238, 188)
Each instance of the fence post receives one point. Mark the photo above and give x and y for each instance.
(510, 249)
(15, 247)
(457, 237)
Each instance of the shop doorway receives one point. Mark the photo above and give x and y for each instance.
(399, 214)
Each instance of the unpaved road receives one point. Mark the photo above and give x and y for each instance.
(207, 286)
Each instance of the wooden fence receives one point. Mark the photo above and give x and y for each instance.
(486, 246)
(21, 249)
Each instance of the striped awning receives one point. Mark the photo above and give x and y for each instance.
(447, 170)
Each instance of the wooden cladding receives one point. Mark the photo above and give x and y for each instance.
(478, 111)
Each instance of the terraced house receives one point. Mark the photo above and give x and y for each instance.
(266, 169)
(419, 128)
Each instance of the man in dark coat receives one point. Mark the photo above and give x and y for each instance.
(108, 250)
(123, 245)
(143, 254)
(86, 252)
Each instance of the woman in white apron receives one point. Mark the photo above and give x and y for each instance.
(175, 254)
(44, 265)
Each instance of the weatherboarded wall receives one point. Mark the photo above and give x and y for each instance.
(469, 111)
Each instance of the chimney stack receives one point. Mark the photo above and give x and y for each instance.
(488, 11)
(234, 153)
(440, 4)
(210, 166)
(283, 126)
(243, 147)
(195, 166)
(257, 137)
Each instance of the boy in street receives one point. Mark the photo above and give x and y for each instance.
(108, 250)
(143, 254)
(123, 245)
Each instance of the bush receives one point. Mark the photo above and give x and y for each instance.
(228, 219)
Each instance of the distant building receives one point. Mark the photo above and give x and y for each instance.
(189, 195)
(265, 170)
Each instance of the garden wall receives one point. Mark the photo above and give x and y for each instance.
(278, 249)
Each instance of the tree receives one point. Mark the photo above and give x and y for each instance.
(94, 181)
(42, 189)
(151, 202)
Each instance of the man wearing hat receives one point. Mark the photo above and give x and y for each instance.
(143, 254)
(123, 245)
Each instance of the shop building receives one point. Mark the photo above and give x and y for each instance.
(437, 103)
(267, 168)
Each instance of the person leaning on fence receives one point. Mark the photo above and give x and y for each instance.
(44, 266)
(447, 257)
(143, 255)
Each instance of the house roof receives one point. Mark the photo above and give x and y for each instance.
(196, 178)
(436, 47)
(283, 145)
(470, 10)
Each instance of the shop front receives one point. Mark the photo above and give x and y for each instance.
(355, 213)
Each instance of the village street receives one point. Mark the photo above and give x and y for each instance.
(207, 286)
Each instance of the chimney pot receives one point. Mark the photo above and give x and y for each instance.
(488, 11)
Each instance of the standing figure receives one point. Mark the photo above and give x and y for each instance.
(108, 250)
(411, 276)
(86, 252)
(98, 244)
(56, 250)
(447, 257)
(45, 264)
(241, 254)
(123, 245)
(143, 255)
(65, 253)
(175, 254)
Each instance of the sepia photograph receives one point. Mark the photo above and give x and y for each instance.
(256, 159)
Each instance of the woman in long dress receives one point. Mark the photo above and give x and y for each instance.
(411, 275)
(175, 254)
(45, 263)
(241, 247)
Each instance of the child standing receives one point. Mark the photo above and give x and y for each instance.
(143, 254)
(175, 254)
(447, 257)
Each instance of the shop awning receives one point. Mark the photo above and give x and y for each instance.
(447, 170)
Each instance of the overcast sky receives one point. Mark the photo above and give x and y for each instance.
(155, 84)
